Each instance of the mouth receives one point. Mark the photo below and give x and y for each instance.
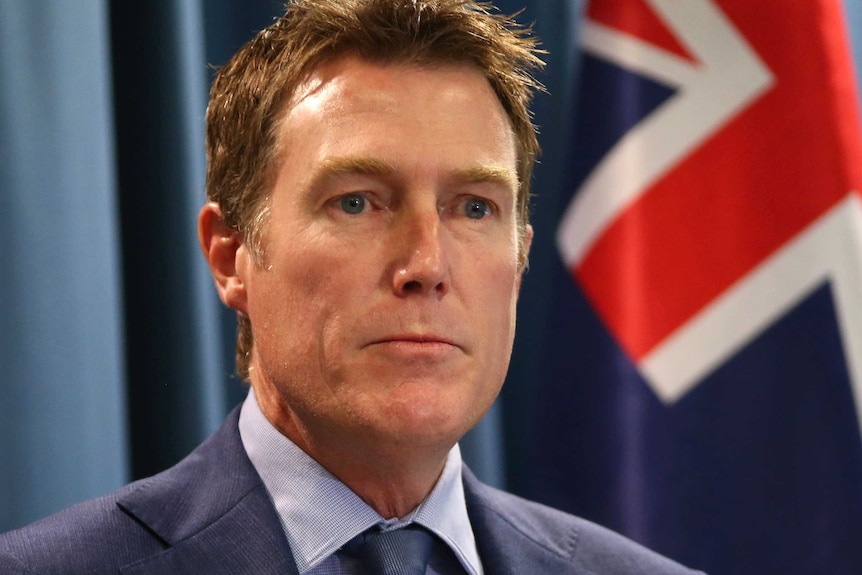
(414, 338)
(415, 342)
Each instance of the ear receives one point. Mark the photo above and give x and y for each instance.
(224, 251)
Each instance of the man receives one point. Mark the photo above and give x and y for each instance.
(368, 176)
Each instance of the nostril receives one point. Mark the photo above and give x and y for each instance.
(412, 286)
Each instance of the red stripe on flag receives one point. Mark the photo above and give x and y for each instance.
(755, 184)
(637, 19)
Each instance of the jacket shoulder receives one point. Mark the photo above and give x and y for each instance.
(91, 537)
(143, 518)
(540, 536)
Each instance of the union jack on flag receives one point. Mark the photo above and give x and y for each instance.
(713, 304)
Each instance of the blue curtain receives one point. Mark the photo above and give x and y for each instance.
(115, 354)
(63, 407)
(177, 371)
(112, 342)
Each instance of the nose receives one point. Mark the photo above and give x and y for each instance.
(422, 264)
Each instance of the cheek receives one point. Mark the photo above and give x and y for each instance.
(282, 302)
(299, 309)
(493, 306)
(500, 285)
(509, 287)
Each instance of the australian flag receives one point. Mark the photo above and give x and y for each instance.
(703, 387)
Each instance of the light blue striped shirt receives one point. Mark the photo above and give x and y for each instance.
(320, 514)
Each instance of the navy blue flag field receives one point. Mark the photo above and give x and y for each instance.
(711, 275)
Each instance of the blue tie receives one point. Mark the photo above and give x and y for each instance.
(397, 552)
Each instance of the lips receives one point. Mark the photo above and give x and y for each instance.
(415, 338)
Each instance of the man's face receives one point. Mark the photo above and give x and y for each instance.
(385, 306)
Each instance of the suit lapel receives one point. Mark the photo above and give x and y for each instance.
(212, 513)
(515, 536)
(244, 540)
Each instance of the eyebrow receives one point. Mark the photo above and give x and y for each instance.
(346, 166)
(487, 174)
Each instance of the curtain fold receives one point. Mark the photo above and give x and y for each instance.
(177, 374)
(62, 398)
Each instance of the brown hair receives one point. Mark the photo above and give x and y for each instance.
(250, 92)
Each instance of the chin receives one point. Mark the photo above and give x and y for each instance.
(431, 422)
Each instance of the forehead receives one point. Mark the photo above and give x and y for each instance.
(345, 101)
(359, 81)
(330, 67)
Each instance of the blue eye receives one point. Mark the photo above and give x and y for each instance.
(353, 204)
(476, 209)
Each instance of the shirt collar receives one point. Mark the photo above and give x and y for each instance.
(319, 513)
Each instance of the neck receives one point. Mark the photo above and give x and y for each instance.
(392, 476)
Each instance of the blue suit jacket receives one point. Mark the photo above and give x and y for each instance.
(210, 514)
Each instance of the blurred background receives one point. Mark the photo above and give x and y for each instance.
(688, 365)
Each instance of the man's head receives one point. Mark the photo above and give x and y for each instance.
(252, 92)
